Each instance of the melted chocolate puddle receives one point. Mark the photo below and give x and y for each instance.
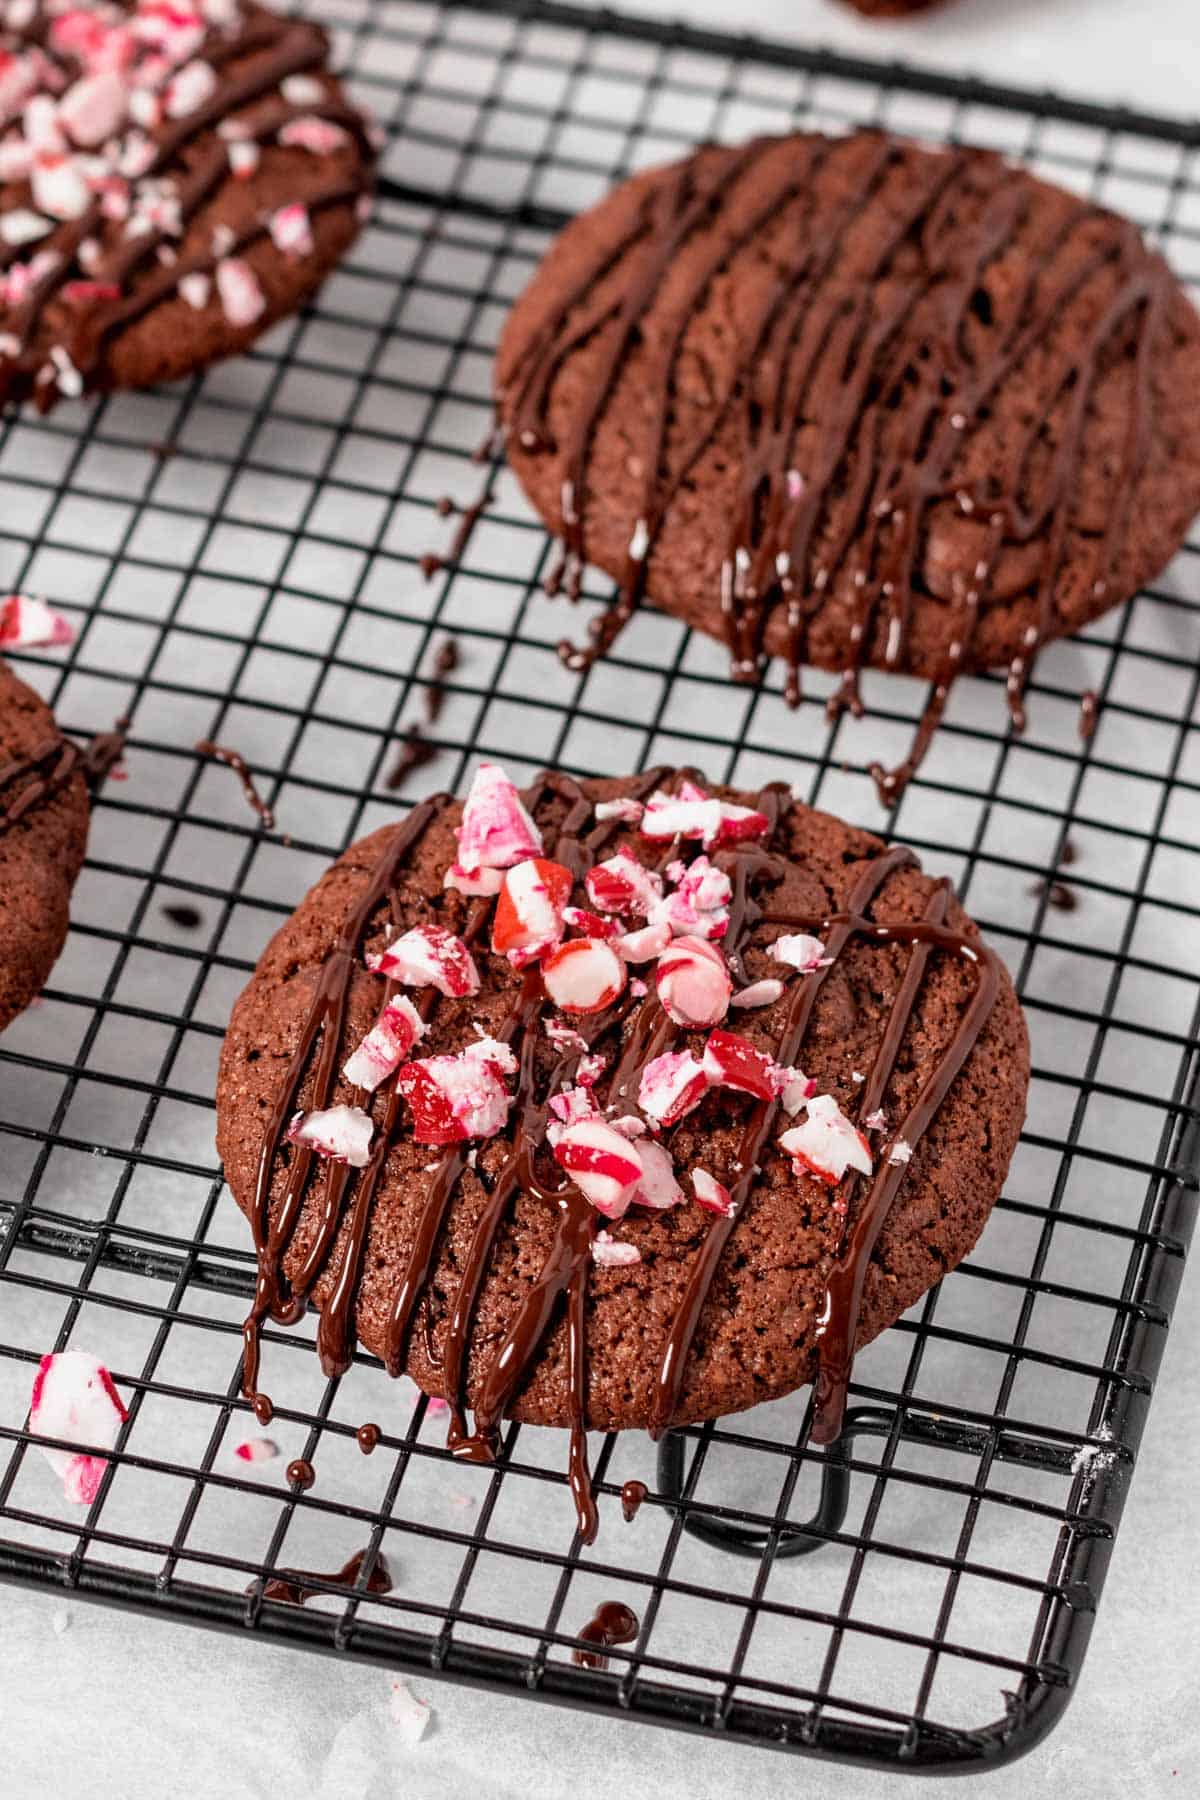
(295, 1586)
(233, 759)
(183, 915)
(612, 1623)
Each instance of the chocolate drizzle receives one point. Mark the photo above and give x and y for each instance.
(251, 58)
(295, 1586)
(861, 377)
(612, 1623)
(233, 759)
(525, 1168)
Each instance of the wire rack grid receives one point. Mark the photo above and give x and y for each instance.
(241, 555)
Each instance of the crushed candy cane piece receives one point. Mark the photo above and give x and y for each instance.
(591, 1068)
(826, 1144)
(691, 813)
(291, 230)
(564, 1036)
(607, 1253)
(244, 157)
(26, 623)
(591, 924)
(528, 922)
(628, 810)
(410, 1715)
(801, 952)
(462, 1096)
(74, 1398)
(320, 136)
(733, 1062)
(93, 108)
(392, 1037)
(342, 1133)
(257, 1450)
(671, 1085)
(480, 882)
(584, 975)
(302, 90)
(900, 1153)
(877, 1120)
(699, 905)
(496, 829)
(59, 187)
(759, 993)
(429, 956)
(241, 296)
(196, 289)
(623, 885)
(188, 90)
(644, 945)
(569, 1106)
(693, 983)
(602, 1163)
(21, 226)
(658, 1188)
(712, 1194)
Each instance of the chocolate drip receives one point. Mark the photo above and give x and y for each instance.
(525, 1169)
(301, 1473)
(632, 1495)
(432, 562)
(29, 781)
(267, 49)
(367, 1437)
(1089, 714)
(295, 1586)
(611, 1623)
(893, 420)
(233, 759)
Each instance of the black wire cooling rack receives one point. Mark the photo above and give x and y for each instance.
(242, 559)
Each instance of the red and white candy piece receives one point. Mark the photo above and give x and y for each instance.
(591, 924)
(801, 952)
(693, 983)
(74, 1398)
(564, 1036)
(712, 1194)
(826, 1144)
(320, 136)
(658, 1188)
(900, 1153)
(496, 830)
(583, 975)
(609, 1253)
(644, 945)
(733, 1062)
(255, 1450)
(759, 993)
(453, 1098)
(603, 1164)
(481, 883)
(386, 1045)
(671, 1086)
(94, 108)
(26, 623)
(699, 905)
(241, 297)
(528, 922)
(623, 885)
(188, 90)
(628, 810)
(342, 1133)
(691, 813)
(429, 956)
(291, 229)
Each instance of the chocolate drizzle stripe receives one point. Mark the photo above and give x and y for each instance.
(817, 353)
(36, 777)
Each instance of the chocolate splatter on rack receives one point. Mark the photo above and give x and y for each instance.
(853, 401)
(301, 1474)
(180, 913)
(612, 1623)
(415, 752)
(233, 759)
(113, 184)
(643, 1031)
(296, 1586)
(633, 1493)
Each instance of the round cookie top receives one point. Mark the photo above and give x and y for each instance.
(173, 178)
(43, 837)
(856, 401)
(619, 1102)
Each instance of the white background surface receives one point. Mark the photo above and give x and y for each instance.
(119, 1706)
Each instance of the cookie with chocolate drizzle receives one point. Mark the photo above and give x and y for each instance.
(855, 403)
(461, 1214)
(43, 837)
(173, 180)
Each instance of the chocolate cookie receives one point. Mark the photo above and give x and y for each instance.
(854, 402)
(43, 837)
(710, 1093)
(173, 180)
